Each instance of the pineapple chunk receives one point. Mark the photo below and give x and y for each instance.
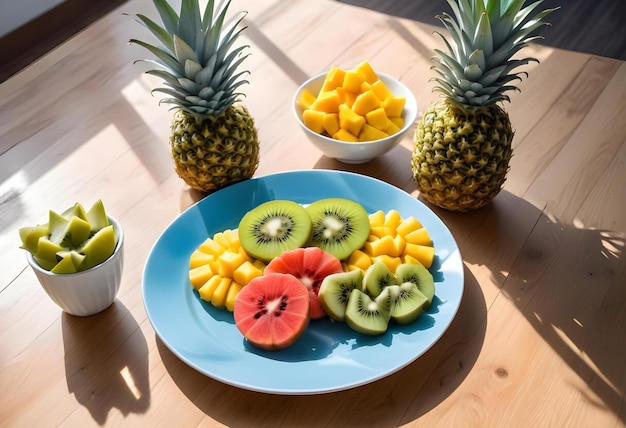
(377, 118)
(408, 225)
(381, 90)
(393, 105)
(331, 123)
(246, 272)
(367, 71)
(365, 102)
(305, 99)
(328, 102)
(369, 133)
(314, 120)
(381, 231)
(199, 258)
(393, 220)
(391, 262)
(200, 275)
(352, 80)
(380, 246)
(219, 295)
(344, 135)
(233, 290)
(229, 261)
(359, 259)
(377, 218)
(425, 254)
(210, 246)
(349, 120)
(207, 290)
(419, 236)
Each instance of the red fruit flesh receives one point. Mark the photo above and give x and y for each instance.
(310, 265)
(272, 311)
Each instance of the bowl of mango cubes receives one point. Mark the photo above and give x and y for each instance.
(354, 115)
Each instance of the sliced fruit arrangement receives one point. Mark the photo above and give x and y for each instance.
(219, 268)
(393, 240)
(72, 241)
(367, 302)
(362, 269)
(353, 105)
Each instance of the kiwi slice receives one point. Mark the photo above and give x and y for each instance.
(420, 276)
(274, 227)
(335, 290)
(408, 302)
(340, 226)
(369, 316)
(377, 277)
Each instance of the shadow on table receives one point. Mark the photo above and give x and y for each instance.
(421, 385)
(106, 362)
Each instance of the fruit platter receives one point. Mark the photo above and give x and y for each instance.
(328, 354)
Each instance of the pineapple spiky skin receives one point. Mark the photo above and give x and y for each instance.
(461, 155)
(216, 151)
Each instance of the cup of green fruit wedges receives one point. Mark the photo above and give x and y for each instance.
(78, 258)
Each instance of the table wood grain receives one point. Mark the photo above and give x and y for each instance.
(540, 336)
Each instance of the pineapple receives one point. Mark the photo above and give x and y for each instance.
(213, 138)
(463, 143)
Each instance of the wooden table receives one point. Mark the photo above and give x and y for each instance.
(540, 336)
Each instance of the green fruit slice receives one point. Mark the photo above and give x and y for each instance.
(274, 227)
(335, 290)
(272, 311)
(340, 226)
(30, 236)
(69, 262)
(369, 316)
(420, 276)
(47, 250)
(98, 248)
(376, 278)
(408, 302)
(97, 217)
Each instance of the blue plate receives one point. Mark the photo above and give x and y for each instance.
(329, 356)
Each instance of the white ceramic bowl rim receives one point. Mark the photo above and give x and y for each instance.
(119, 233)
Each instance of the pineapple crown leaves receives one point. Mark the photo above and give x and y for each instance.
(195, 56)
(478, 67)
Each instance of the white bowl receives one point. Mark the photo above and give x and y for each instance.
(88, 292)
(359, 152)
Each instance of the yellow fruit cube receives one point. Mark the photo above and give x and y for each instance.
(377, 118)
(393, 220)
(233, 290)
(408, 225)
(328, 102)
(344, 135)
(391, 127)
(381, 90)
(219, 295)
(352, 80)
(246, 272)
(334, 78)
(331, 123)
(394, 105)
(228, 262)
(381, 231)
(391, 262)
(346, 97)
(384, 245)
(314, 120)
(365, 102)
(419, 237)
(349, 120)
(398, 121)
(377, 218)
(199, 258)
(200, 275)
(207, 290)
(210, 246)
(359, 259)
(367, 71)
(410, 260)
(369, 133)
(425, 254)
(305, 99)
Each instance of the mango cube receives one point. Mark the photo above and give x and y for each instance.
(369, 133)
(314, 120)
(345, 135)
(305, 99)
(366, 69)
(393, 105)
(331, 123)
(349, 120)
(365, 102)
(381, 90)
(328, 102)
(377, 118)
(352, 80)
